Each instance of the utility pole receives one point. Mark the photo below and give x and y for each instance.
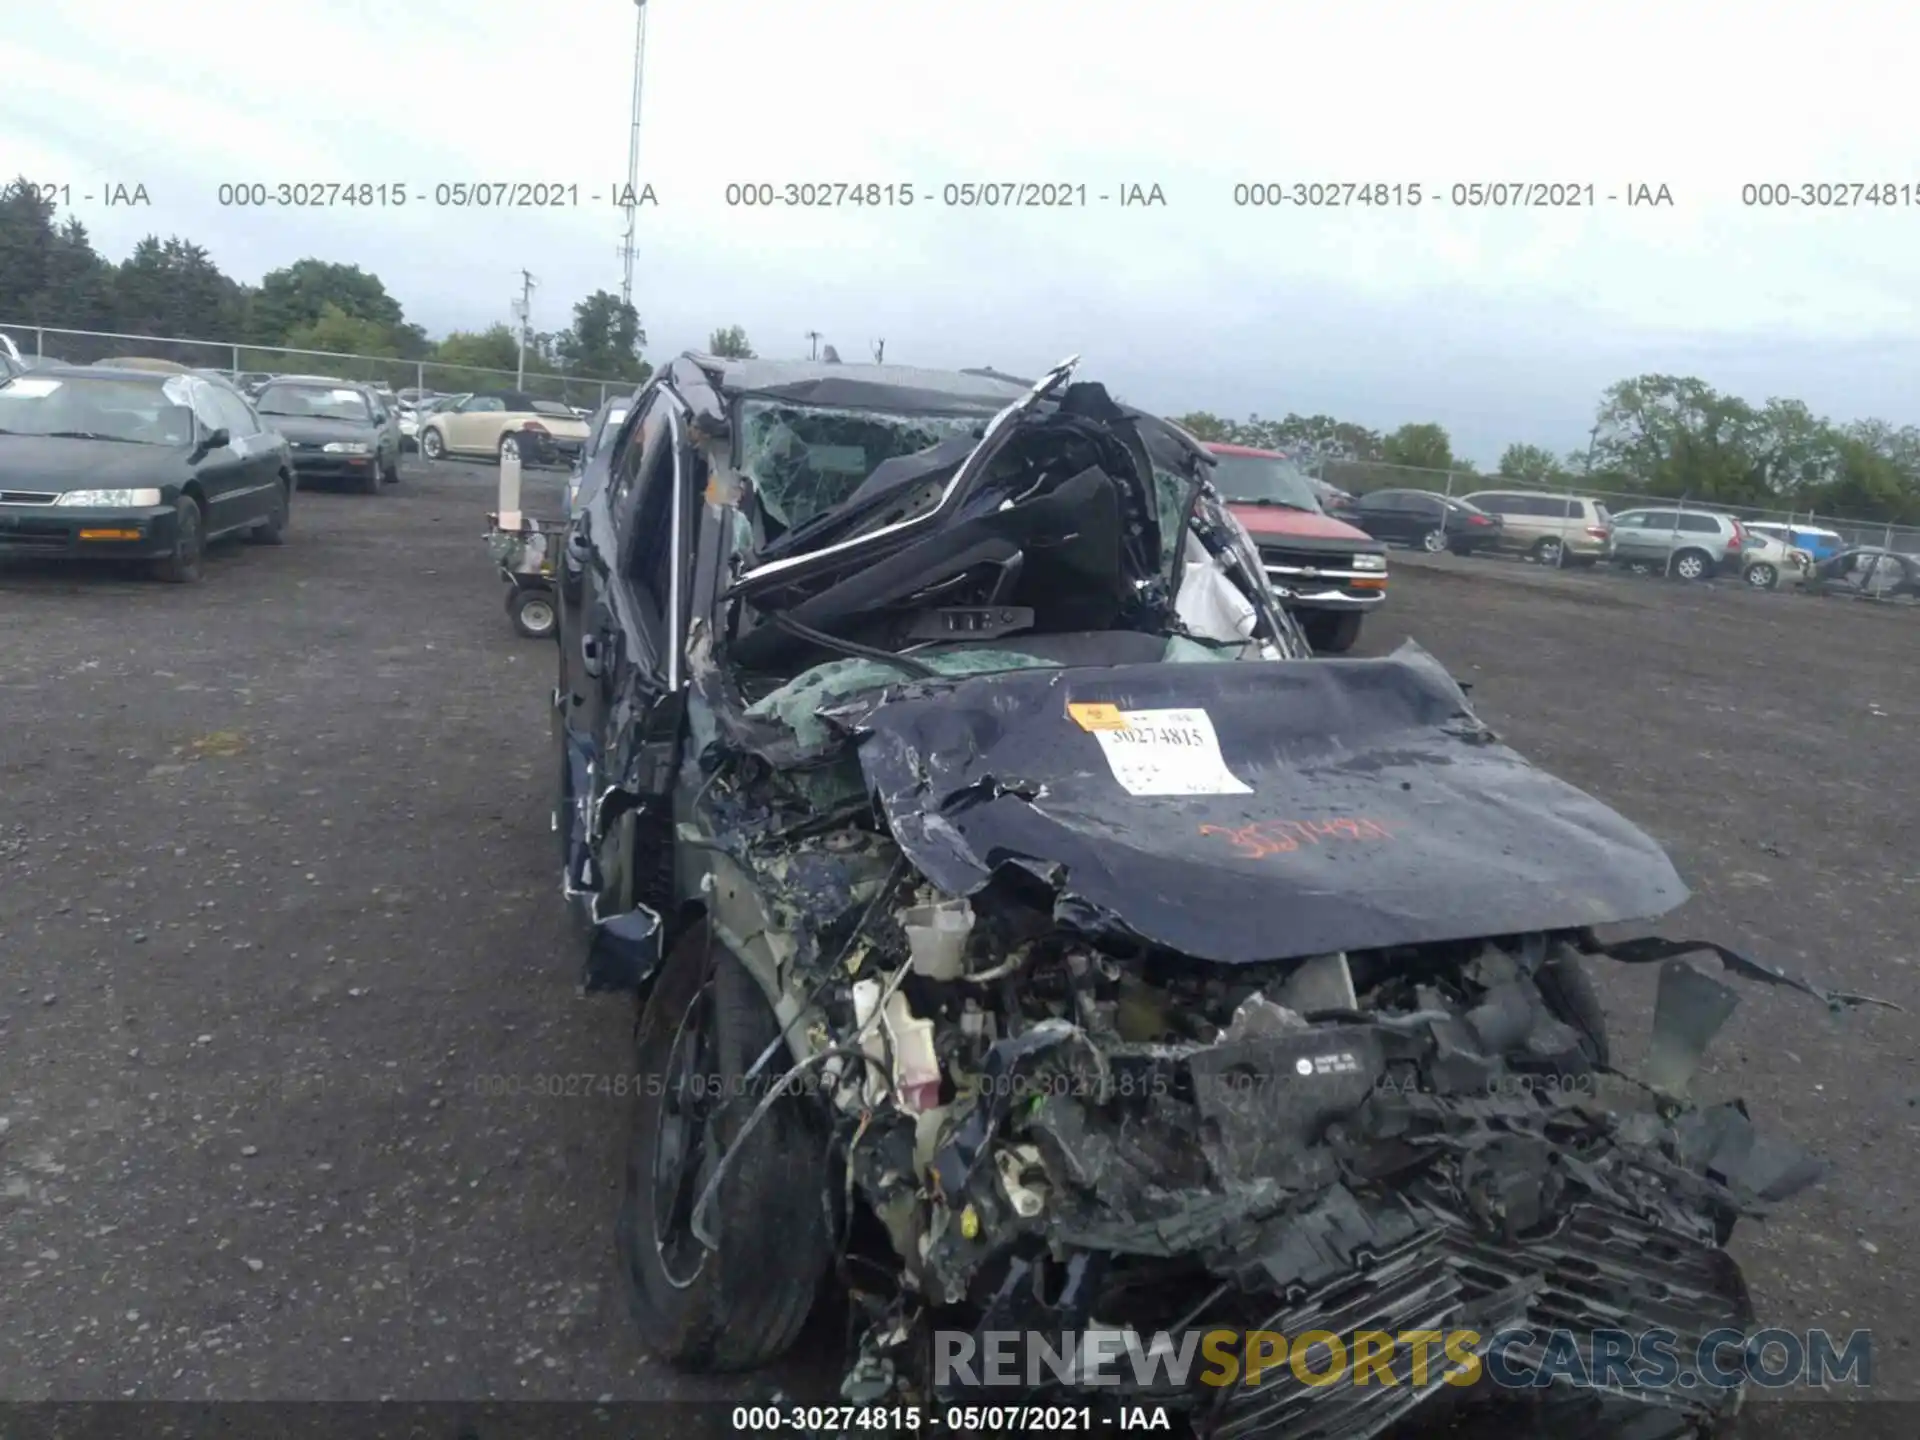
(523, 311)
(813, 344)
(879, 352)
(1592, 440)
(632, 204)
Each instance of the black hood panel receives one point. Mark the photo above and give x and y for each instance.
(1365, 807)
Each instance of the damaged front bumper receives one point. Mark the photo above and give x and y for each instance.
(1447, 1164)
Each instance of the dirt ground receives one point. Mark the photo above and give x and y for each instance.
(297, 1096)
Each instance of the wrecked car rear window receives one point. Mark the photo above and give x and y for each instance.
(805, 459)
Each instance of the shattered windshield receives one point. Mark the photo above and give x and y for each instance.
(806, 459)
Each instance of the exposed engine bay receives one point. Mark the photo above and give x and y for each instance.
(1077, 957)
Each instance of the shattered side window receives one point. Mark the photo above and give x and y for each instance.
(806, 459)
(1170, 497)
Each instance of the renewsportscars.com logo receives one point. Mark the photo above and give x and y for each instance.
(1518, 1359)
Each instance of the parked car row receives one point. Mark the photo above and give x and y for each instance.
(150, 460)
(1685, 542)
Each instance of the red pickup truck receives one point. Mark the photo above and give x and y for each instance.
(1327, 572)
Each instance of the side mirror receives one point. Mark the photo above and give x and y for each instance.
(212, 441)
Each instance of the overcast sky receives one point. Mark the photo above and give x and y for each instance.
(1501, 325)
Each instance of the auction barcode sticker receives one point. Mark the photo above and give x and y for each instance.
(1160, 752)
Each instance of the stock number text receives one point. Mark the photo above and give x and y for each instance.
(1831, 194)
(819, 194)
(1327, 194)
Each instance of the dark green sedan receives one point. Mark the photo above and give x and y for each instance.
(135, 465)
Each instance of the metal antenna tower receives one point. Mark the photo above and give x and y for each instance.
(633, 155)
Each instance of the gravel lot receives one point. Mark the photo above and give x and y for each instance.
(283, 961)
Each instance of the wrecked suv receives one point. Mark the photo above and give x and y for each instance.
(1028, 931)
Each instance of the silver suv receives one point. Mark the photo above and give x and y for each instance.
(1689, 544)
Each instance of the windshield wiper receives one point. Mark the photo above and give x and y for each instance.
(1264, 500)
(90, 435)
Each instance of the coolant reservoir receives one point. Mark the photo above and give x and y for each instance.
(937, 938)
(916, 1066)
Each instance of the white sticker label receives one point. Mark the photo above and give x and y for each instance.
(1343, 1064)
(1167, 752)
(32, 388)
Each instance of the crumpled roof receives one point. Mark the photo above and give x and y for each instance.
(867, 387)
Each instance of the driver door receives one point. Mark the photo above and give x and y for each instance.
(258, 454)
(621, 702)
(221, 470)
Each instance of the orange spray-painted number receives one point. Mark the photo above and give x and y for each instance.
(1279, 837)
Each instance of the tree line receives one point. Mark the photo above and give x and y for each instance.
(51, 275)
(1656, 435)
(1662, 436)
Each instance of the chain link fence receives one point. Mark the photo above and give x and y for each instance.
(86, 347)
(1359, 477)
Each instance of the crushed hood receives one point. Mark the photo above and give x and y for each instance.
(1270, 810)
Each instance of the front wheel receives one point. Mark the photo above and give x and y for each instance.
(742, 1305)
(1762, 576)
(1434, 541)
(1332, 632)
(432, 445)
(186, 564)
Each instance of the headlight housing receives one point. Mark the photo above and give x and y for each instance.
(111, 499)
(1369, 562)
(346, 447)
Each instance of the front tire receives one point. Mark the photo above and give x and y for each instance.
(1762, 576)
(1332, 632)
(186, 565)
(743, 1305)
(432, 445)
